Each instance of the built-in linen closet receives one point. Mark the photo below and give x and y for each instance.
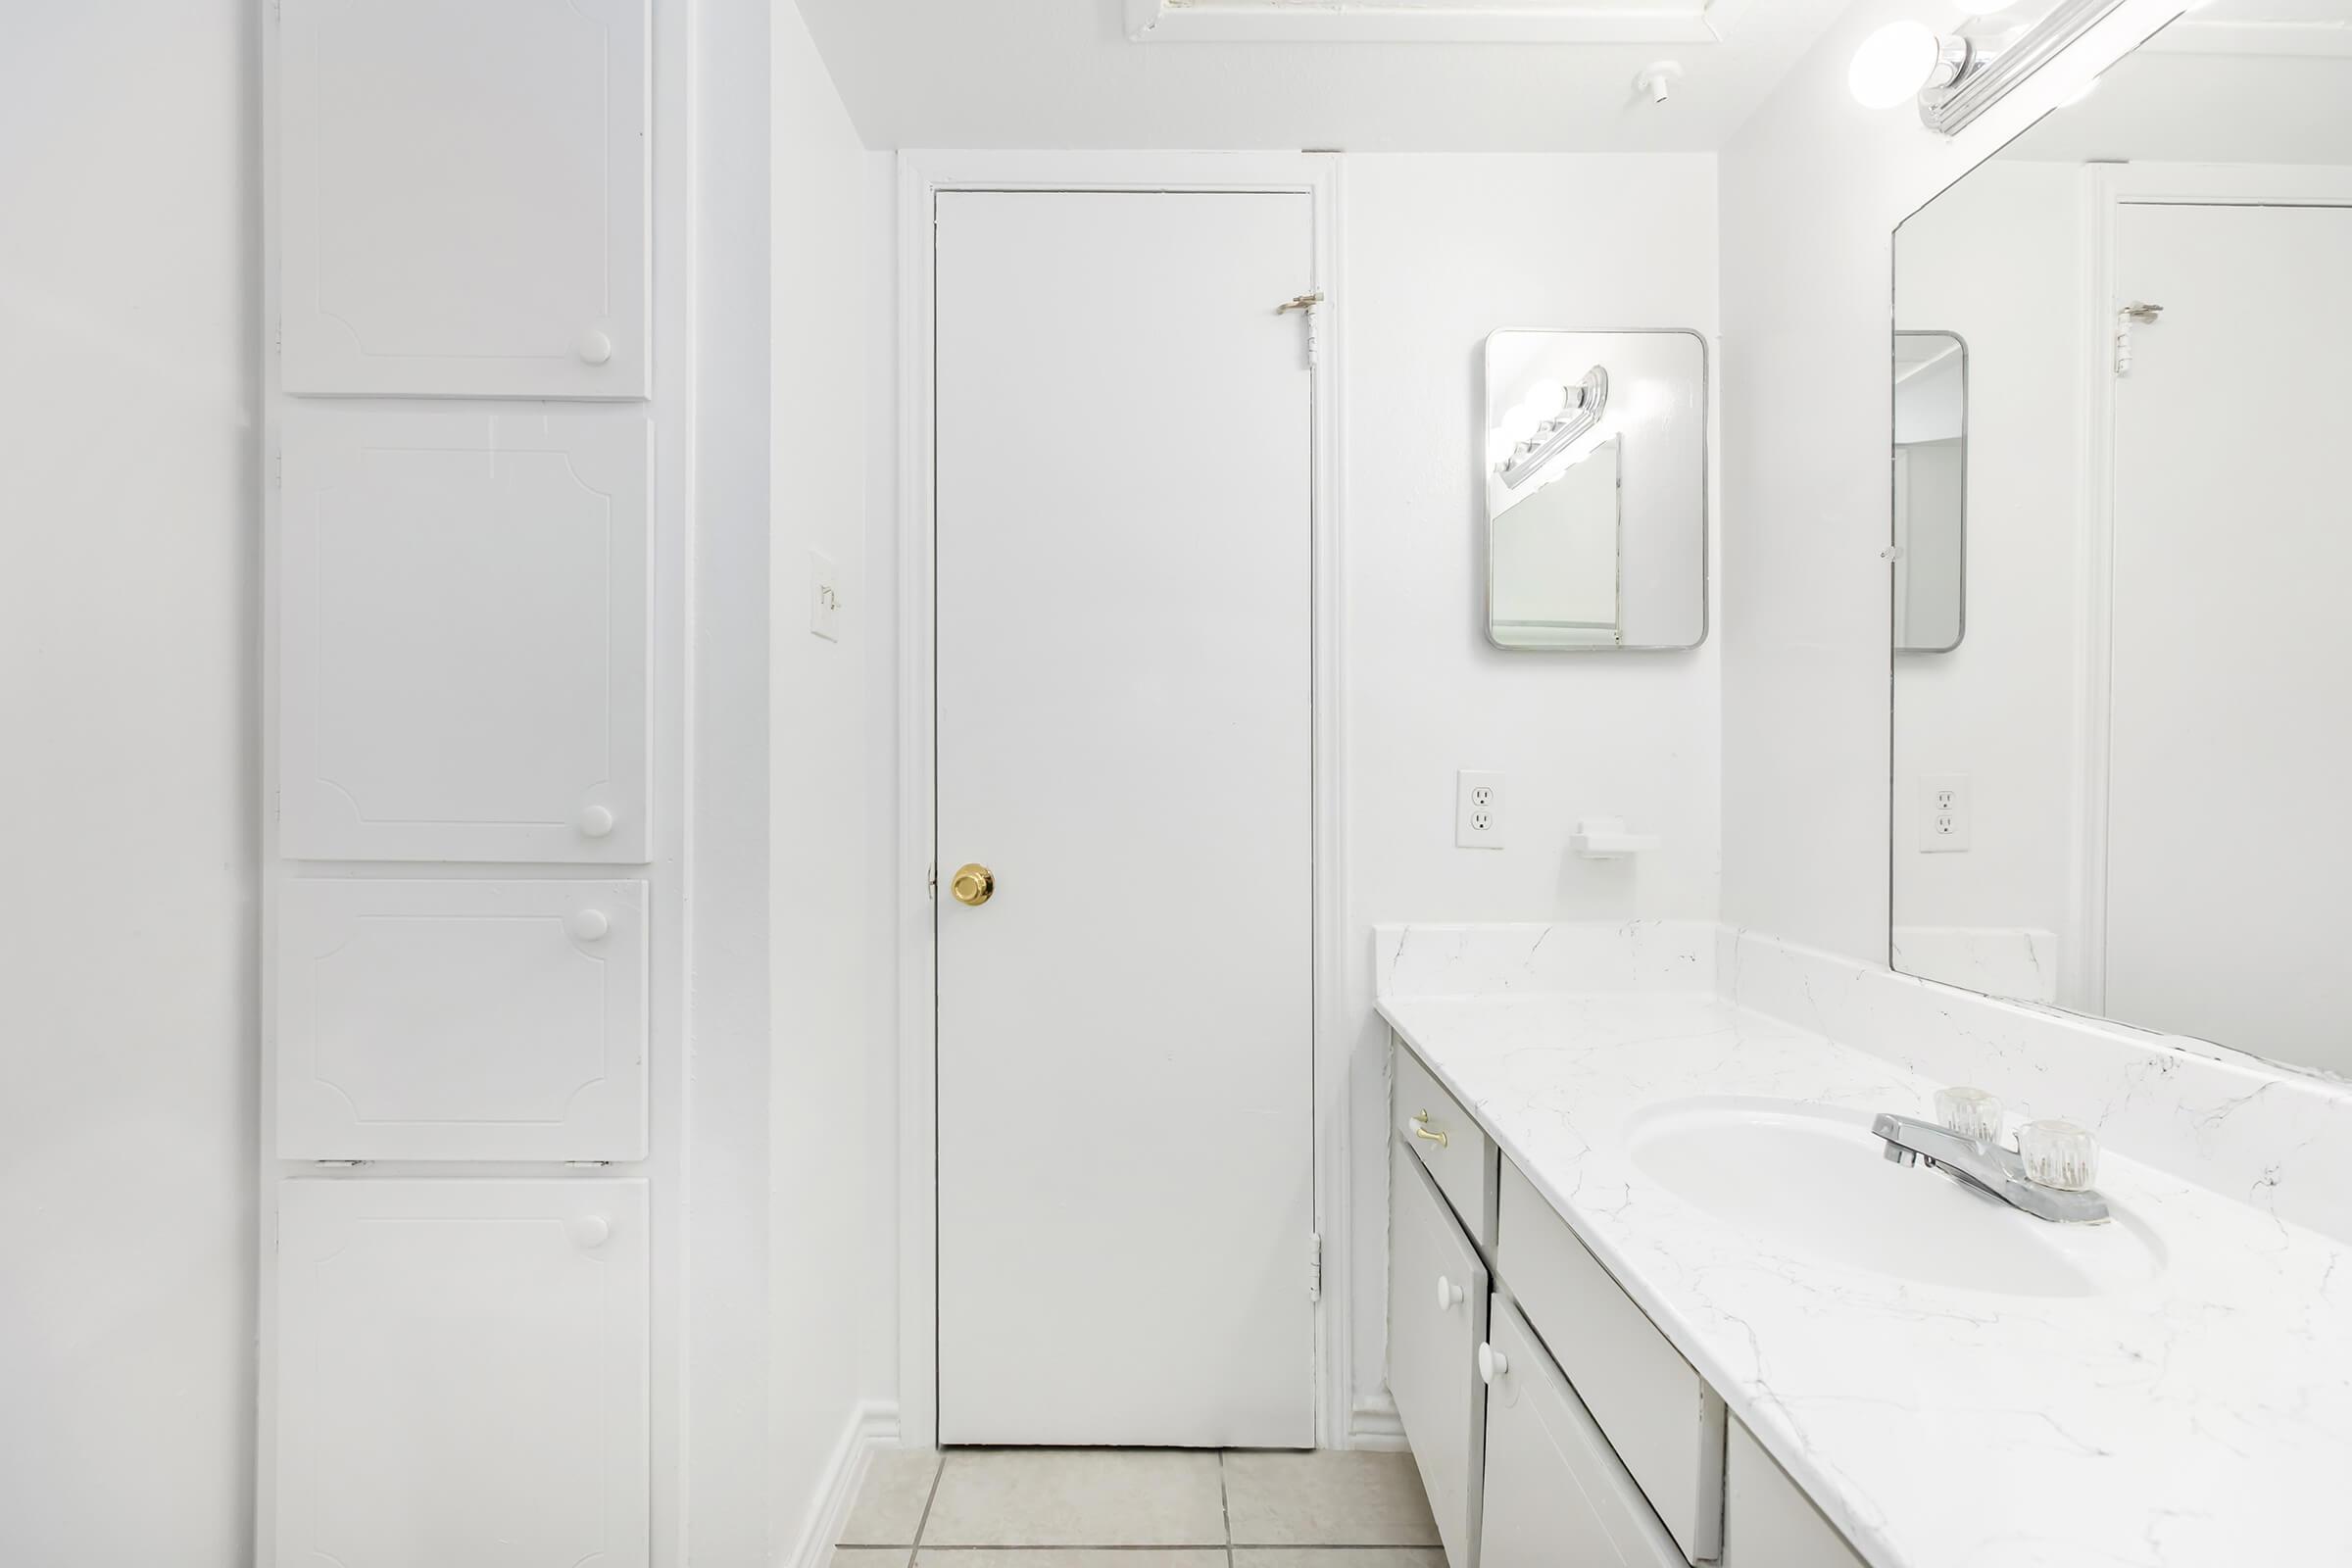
(462, 1177)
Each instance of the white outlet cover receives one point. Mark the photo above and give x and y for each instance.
(824, 597)
(1478, 811)
(1943, 813)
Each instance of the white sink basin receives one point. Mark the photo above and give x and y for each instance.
(1813, 1180)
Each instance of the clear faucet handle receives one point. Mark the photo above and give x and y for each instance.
(2059, 1154)
(1970, 1112)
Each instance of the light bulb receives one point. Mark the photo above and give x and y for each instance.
(1892, 65)
(1549, 400)
(1521, 423)
(1499, 446)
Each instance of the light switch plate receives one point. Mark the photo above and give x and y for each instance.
(1943, 813)
(824, 597)
(1478, 811)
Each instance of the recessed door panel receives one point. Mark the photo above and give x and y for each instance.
(461, 1020)
(462, 196)
(462, 1376)
(463, 603)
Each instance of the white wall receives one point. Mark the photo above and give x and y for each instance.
(826, 1032)
(1813, 186)
(1440, 250)
(1997, 260)
(129, 277)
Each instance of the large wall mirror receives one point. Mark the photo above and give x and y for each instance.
(2116, 778)
(1596, 490)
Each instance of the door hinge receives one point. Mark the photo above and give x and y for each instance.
(2135, 312)
(1314, 1268)
(340, 1164)
(586, 1164)
(931, 883)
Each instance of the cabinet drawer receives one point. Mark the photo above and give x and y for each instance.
(1660, 1416)
(1766, 1522)
(1457, 1153)
(1437, 1318)
(1556, 1492)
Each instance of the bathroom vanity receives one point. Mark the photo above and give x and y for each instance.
(1656, 1296)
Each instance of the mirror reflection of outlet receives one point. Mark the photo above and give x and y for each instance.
(1478, 811)
(1943, 813)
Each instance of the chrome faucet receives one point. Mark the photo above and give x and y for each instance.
(1987, 1166)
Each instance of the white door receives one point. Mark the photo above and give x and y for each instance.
(461, 1020)
(2231, 642)
(1124, 737)
(463, 601)
(462, 1374)
(462, 192)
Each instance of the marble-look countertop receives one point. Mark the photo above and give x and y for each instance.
(2198, 1418)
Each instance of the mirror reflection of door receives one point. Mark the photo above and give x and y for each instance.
(1930, 491)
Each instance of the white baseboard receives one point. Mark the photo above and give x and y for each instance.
(872, 1426)
(1373, 1424)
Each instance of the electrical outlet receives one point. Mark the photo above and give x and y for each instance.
(1943, 813)
(824, 597)
(1478, 811)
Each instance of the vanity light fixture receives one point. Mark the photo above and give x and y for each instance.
(1903, 60)
(1957, 76)
(1541, 426)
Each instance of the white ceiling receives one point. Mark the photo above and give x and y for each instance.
(1056, 73)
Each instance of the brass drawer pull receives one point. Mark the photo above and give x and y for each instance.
(1421, 1129)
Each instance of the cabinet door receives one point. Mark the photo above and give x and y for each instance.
(1437, 1316)
(461, 1020)
(463, 604)
(1556, 1492)
(462, 197)
(1766, 1522)
(462, 1374)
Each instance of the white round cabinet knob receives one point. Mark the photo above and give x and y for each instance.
(595, 348)
(590, 925)
(596, 821)
(1450, 1294)
(591, 1231)
(1492, 1364)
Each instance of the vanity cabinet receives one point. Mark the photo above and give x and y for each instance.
(1554, 1490)
(1436, 1321)
(1564, 1427)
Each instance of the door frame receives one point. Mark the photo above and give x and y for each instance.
(2107, 189)
(921, 177)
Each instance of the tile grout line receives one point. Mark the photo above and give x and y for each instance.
(922, 1523)
(1225, 1507)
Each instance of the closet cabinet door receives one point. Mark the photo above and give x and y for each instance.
(462, 1374)
(461, 1020)
(463, 607)
(462, 197)
(1437, 1317)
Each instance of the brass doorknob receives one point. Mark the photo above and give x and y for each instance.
(974, 885)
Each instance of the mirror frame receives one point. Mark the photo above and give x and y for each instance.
(1706, 491)
(1960, 628)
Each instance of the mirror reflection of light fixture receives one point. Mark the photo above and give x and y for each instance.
(1957, 76)
(1541, 426)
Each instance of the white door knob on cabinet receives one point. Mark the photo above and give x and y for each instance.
(595, 348)
(1492, 1364)
(591, 1231)
(596, 821)
(589, 925)
(1450, 1294)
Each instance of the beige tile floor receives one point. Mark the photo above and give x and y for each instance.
(1139, 1509)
